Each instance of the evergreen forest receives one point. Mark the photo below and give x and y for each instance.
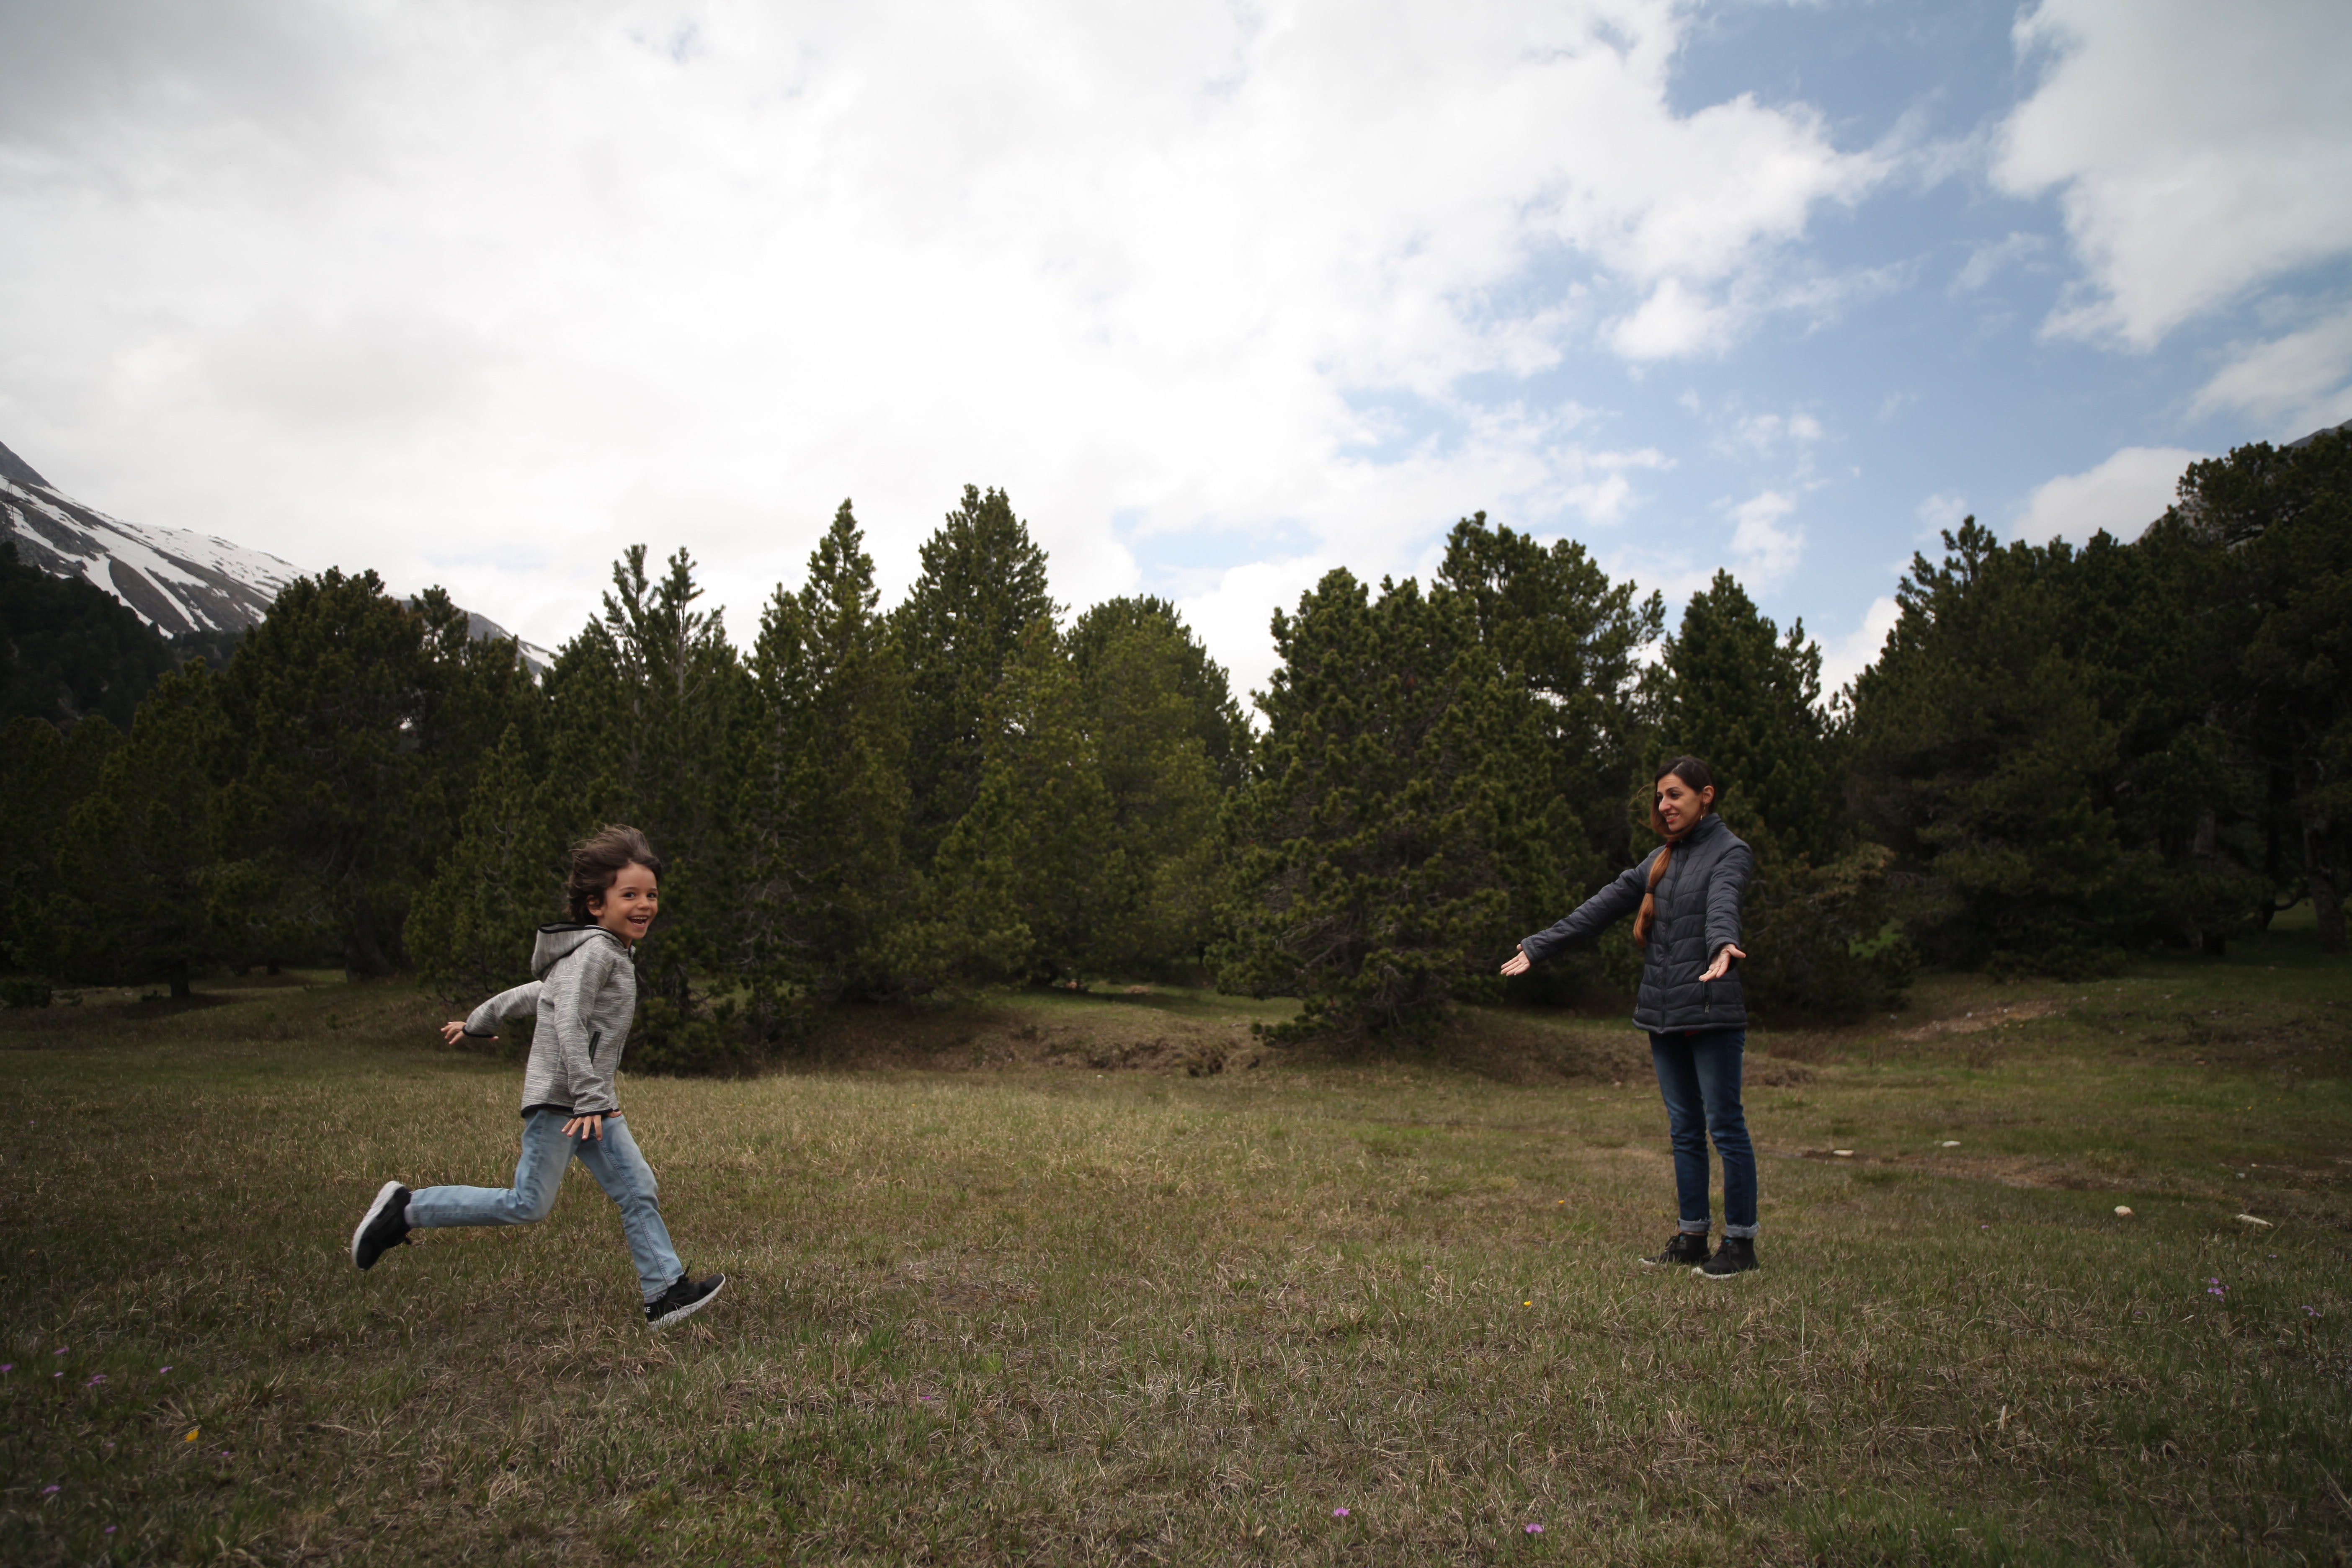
(2061, 757)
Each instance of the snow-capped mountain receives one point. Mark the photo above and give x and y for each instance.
(175, 579)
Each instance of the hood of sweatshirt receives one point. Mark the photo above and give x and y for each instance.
(562, 940)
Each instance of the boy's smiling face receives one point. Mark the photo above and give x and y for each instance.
(629, 905)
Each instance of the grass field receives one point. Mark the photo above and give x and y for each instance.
(1096, 1279)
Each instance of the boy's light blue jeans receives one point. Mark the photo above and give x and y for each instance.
(547, 1153)
(1698, 1074)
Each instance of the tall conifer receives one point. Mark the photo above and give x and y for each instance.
(1748, 700)
(1390, 841)
(825, 804)
(1164, 730)
(470, 931)
(1033, 879)
(133, 898)
(982, 583)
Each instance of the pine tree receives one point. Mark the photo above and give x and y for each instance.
(1390, 843)
(1163, 730)
(982, 583)
(69, 649)
(131, 901)
(825, 806)
(1551, 620)
(470, 931)
(1980, 748)
(1748, 700)
(645, 708)
(47, 775)
(1212, 715)
(1033, 879)
(2274, 528)
(320, 710)
(2152, 626)
(1821, 938)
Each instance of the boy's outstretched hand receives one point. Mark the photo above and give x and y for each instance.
(454, 1029)
(1518, 963)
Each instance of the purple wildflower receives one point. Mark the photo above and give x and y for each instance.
(110, 1529)
(95, 1379)
(164, 1369)
(49, 1491)
(7, 1366)
(1339, 1513)
(1535, 1530)
(2311, 1312)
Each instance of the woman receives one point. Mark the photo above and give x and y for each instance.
(1687, 894)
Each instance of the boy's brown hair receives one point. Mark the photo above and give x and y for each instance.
(599, 859)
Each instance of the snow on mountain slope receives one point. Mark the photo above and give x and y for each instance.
(175, 579)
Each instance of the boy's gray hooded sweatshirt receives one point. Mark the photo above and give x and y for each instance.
(585, 999)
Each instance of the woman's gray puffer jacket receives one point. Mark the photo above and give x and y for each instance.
(1697, 911)
(584, 999)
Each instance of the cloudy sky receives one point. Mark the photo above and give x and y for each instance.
(1223, 294)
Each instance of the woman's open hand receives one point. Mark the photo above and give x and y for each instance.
(1722, 964)
(453, 1029)
(1518, 963)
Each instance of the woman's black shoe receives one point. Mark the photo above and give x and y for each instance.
(1736, 1255)
(1686, 1249)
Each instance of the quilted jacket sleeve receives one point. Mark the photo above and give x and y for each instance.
(1621, 898)
(1727, 891)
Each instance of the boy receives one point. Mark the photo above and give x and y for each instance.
(584, 997)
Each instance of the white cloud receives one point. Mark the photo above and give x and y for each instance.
(1762, 550)
(2199, 151)
(2300, 378)
(482, 294)
(1845, 657)
(2122, 495)
(1764, 434)
(1673, 322)
(1942, 511)
(1989, 261)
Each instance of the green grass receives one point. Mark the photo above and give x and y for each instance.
(1099, 1279)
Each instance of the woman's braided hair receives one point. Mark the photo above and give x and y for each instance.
(600, 858)
(1700, 778)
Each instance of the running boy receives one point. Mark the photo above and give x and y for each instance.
(584, 997)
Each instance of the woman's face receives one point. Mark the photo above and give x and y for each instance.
(1679, 805)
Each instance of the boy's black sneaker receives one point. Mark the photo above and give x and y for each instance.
(386, 1227)
(1736, 1255)
(682, 1300)
(1686, 1250)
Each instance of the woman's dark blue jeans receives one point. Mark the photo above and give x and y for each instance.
(1698, 1074)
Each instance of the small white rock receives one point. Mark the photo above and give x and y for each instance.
(2250, 1219)
(1843, 1153)
(1951, 1143)
(2123, 1211)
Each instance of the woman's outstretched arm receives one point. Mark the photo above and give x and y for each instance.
(1620, 897)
